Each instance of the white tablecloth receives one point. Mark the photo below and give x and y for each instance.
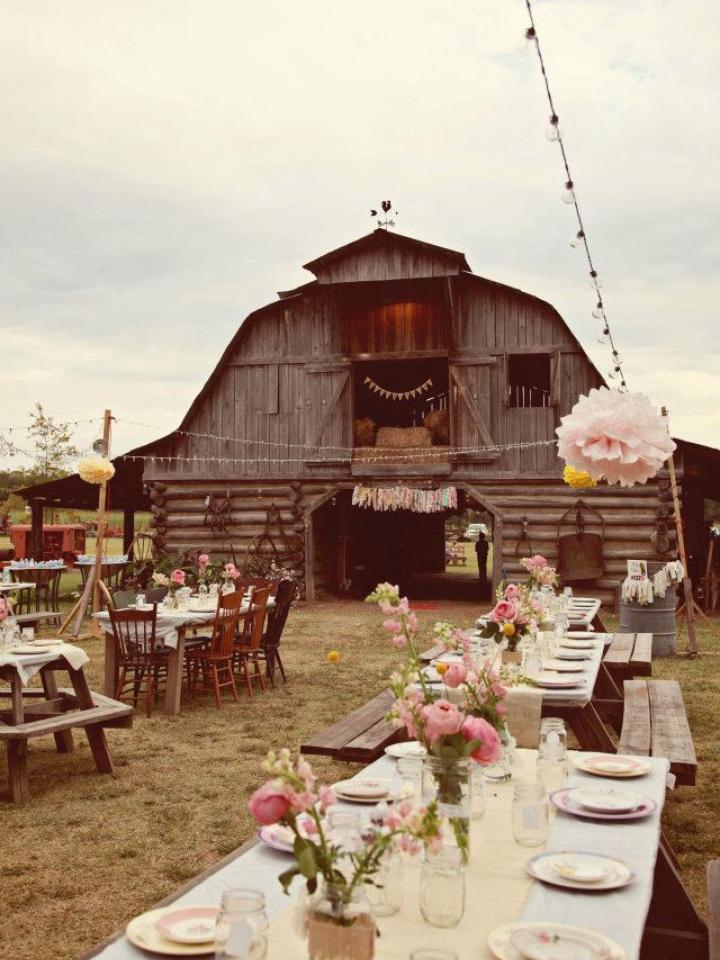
(620, 914)
(11, 587)
(28, 664)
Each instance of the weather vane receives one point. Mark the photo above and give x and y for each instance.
(386, 206)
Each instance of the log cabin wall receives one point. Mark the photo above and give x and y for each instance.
(282, 394)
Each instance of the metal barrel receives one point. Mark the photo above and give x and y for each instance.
(657, 618)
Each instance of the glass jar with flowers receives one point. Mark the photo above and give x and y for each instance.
(7, 624)
(511, 620)
(437, 715)
(336, 917)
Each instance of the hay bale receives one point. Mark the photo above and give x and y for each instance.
(364, 432)
(438, 423)
(403, 438)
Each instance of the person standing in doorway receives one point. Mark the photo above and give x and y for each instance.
(481, 551)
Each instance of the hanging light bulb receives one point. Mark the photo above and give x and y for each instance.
(606, 331)
(569, 193)
(577, 239)
(553, 130)
(611, 376)
(598, 311)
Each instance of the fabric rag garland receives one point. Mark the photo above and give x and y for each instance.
(645, 591)
(398, 394)
(405, 498)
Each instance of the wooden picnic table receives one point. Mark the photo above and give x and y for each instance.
(651, 918)
(53, 711)
(360, 736)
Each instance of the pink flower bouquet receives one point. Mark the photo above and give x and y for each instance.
(294, 798)
(511, 617)
(541, 573)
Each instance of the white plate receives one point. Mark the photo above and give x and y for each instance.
(362, 790)
(564, 653)
(29, 648)
(502, 948)
(410, 749)
(405, 790)
(553, 944)
(189, 925)
(551, 681)
(568, 643)
(613, 765)
(580, 871)
(563, 666)
(141, 932)
(607, 799)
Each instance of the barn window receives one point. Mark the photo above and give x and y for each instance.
(529, 380)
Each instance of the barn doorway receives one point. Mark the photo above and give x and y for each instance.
(411, 549)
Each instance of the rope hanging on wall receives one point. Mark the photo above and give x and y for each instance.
(405, 498)
(397, 394)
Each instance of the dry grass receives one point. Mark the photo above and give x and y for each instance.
(89, 851)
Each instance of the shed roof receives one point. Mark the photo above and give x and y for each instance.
(125, 490)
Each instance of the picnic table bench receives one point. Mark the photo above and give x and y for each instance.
(655, 725)
(360, 736)
(41, 712)
(629, 655)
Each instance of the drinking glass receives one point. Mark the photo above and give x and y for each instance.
(241, 926)
(530, 814)
(442, 887)
(386, 897)
(410, 771)
(553, 738)
(28, 634)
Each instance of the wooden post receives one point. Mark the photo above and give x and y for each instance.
(101, 520)
(687, 583)
(36, 531)
(128, 528)
(309, 558)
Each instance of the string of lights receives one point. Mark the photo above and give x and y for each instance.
(570, 197)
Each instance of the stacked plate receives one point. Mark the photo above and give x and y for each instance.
(411, 748)
(553, 681)
(602, 803)
(551, 941)
(369, 791)
(577, 870)
(613, 765)
(175, 931)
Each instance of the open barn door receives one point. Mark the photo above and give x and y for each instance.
(472, 414)
(328, 405)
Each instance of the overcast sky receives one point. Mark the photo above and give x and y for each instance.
(168, 165)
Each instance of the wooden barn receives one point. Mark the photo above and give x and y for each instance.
(396, 369)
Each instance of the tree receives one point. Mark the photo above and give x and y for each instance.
(52, 445)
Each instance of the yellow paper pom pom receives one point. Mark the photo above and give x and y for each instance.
(96, 469)
(577, 478)
(333, 656)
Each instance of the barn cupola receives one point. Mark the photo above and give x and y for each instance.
(383, 255)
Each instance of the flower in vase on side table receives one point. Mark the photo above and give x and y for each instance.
(336, 918)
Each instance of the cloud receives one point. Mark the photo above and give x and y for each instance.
(168, 167)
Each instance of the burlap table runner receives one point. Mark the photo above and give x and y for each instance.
(496, 887)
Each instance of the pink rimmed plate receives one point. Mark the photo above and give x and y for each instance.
(563, 800)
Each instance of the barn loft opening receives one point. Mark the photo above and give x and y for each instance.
(529, 379)
(401, 394)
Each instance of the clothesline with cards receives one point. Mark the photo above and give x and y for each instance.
(645, 590)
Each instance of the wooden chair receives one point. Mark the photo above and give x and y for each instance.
(215, 657)
(142, 547)
(276, 620)
(248, 648)
(116, 599)
(139, 658)
(40, 604)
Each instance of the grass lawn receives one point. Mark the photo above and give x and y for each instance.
(89, 851)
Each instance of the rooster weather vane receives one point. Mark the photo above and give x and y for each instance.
(386, 206)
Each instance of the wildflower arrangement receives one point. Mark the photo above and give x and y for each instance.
(513, 615)
(294, 798)
(541, 573)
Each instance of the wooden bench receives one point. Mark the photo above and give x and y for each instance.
(361, 736)
(655, 724)
(53, 711)
(629, 655)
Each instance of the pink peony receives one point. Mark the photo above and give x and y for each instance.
(269, 803)
(178, 577)
(441, 718)
(505, 610)
(615, 435)
(512, 591)
(203, 560)
(4, 609)
(455, 674)
(475, 728)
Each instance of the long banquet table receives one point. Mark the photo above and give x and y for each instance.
(499, 890)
